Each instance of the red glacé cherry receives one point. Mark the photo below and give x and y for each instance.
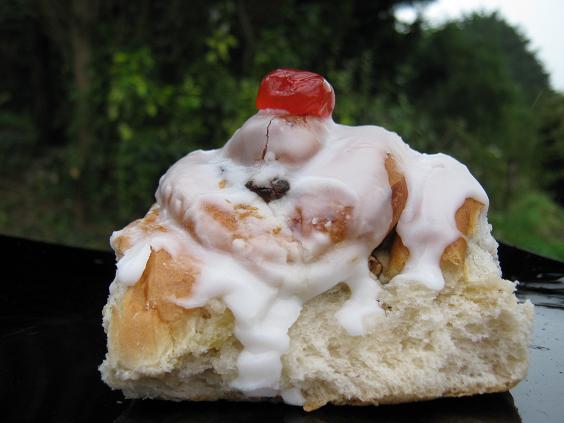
(298, 92)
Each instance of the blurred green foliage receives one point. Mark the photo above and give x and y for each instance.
(541, 217)
(107, 95)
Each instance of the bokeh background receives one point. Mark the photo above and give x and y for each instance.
(98, 98)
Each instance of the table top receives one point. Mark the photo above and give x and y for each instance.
(52, 341)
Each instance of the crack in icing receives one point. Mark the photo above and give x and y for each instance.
(264, 151)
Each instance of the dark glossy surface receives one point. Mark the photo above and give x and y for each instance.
(51, 343)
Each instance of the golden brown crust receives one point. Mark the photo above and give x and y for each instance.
(245, 211)
(221, 216)
(339, 224)
(143, 324)
(147, 224)
(454, 255)
(121, 244)
(398, 257)
(399, 190)
(337, 227)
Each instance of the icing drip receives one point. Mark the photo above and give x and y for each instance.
(437, 187)
(131, 266)
(265, 259)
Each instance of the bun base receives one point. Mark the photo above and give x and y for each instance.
(469, 338)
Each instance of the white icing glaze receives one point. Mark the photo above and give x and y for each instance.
(131, 266)
(265, 260)
(293, 396)
(437, 187)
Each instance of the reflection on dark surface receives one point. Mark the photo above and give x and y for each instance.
(529, 268)
(49, 371)
(51, 338)
(52, 341)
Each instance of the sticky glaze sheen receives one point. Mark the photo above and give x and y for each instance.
(265, 260)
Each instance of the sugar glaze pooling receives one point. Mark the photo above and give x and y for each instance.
(265, 260)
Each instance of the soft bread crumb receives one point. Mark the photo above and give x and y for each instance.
(469, 338)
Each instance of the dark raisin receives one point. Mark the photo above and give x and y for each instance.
(280, 187)
(275, 190)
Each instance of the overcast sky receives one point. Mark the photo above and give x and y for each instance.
(542, 21)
